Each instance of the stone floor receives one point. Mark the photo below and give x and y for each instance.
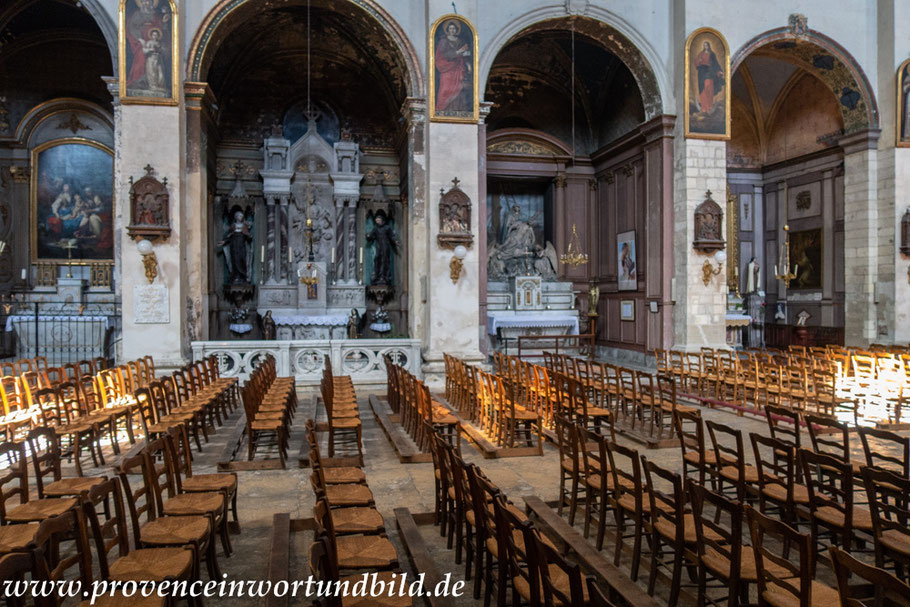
(266, 492)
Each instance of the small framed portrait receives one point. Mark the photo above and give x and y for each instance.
(903, 105)
(453, 68)
(627, 309)
(707, 86)
(627, 268)
(148, 52)
(72, 200)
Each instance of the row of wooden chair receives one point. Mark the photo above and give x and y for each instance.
(417, 410)
(172, 516)
(40, 365)
(688, 525)
(269, 403)
(350, 535)
(504, 551)
(341, 408)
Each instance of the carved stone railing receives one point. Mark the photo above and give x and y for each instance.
(303, 359)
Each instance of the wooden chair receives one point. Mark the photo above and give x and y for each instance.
(49, 564)
(462, 522)
(719, 541)
(832, 437)
(109, 531)
(784, 424)
(562, 581)
(14, 484)
(596, 595)
(13, 569)
(517, 536)
(876, 587)
(778, 484)
(691, 432)
(44, 445)
(733, 468)
(598, 481)
(70, 425)
(670, 526)
(629, 500)
(354, 552)
(323, 565)
(831, 498)
(177, 441)
(571, 467)
(782, 579)
(890, 511)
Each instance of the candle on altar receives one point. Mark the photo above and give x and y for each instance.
(361, 255)
(290, 254)
(24, 273)
(796, 269)
(775, 271)
(333, 256)
(262, 254)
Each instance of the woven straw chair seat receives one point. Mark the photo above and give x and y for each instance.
(39, 510)
(210, 482)
(17, 537)
(188, 504)
(365, 552)
(344, 475)
(175, 530)
(357, 520)
(155, 564)
(348, 495)
(72, 486)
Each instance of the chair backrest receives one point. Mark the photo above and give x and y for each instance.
(625, 465)
(594, 456)
(718, 527)
(556, 590)
(139, 500)
(830, 483)
(11, 392)
(691, 431)
(108, 529)
(567, 443)
(49, 563)
(14, 482)
(776, 463)
(877, 587)
(887, 495)
(159, 476)
(596, 594)
(887, 451)
(666, 506)
(829, 436)
(523, 560)
(779, 571)
(44, 445)
(727, 443)
(784, 424)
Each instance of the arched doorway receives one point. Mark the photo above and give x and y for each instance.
(603, 177)
(254, 58)
(795, 100)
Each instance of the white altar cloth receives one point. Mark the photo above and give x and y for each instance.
(500, 321)
(44, 318)
(331, 320)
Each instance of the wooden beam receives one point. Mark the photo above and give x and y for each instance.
(620, 587)
(279, 556)
(420, 557)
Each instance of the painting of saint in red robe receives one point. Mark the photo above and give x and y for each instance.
(453, 70)
(147, 48)
(707, 95)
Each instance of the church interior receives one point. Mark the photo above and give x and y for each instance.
(379, 302)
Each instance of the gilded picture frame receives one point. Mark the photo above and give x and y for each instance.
(707, 109)
(149, 70)
(902, 137)
(452, 40)
(72, 202)
(627, 309)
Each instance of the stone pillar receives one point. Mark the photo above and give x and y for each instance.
(699, 310)
(861, 236)
(453, 306)
(197, 237)
(155, 135)
(415, 112)
(272, 241)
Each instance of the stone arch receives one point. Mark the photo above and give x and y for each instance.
(200, 57)
(607, 28)
(841, 73)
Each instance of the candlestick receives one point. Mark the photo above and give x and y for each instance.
(333, 256)
(262, 254)
(291, 255)
(361, 255)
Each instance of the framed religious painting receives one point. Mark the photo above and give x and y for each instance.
(707, 86)
(148, 52)
(72, 201)
(453, 66)
(806, 256)
(626, 270)
(903, 105)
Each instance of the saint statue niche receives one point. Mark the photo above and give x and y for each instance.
(237, 250)
(384, 243)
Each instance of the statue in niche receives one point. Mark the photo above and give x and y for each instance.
(545, 261)
(519, 254)
(752, 279)
(454, 217)
(237, 250)
(384, 243)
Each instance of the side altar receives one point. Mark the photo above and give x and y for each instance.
(524, 296)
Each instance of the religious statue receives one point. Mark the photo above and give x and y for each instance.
(593, 297)
(237, 250)
(353, 324)
(268, 326)
(545, 261)
(752, 279)
(384, 243)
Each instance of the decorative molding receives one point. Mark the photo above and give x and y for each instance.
(73, 124)
(521, 148)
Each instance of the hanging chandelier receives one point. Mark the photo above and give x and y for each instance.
(573, 255)
(309, 275)
(783, 261)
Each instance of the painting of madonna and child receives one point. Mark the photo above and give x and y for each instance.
(453, 59)
(147, 47)
(707, 86)
(72, 203)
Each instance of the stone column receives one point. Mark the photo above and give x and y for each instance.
(861, 236)
(339, 268)
(284, 241)
(197, 237)
(415, 112)
(453, 310)
(154, 135)
(272, 247)
(350, 258)
(699, 310)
